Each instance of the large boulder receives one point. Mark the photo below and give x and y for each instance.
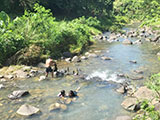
(123, 118)
(17, 94)
(27, 110)
(127, 42)
(129, 103)
(67, 55)
(143, 93)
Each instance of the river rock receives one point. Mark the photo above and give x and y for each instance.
(76, 59)
(106, 58)
(68, 60)
(34, 71)
(121, 75)
(138, 42)
(42, 78)
(84, 58)
(1, 76)
(133, 61)
(17, 94)
(144, 93)
(27, 68)
(122, 90)
(92, 55)
(158, 54)
(57, 106)
(9, 76)
(67, 55)
(2, 86)
(127, 42)
(3, 80)
(123, 118)
(27, 110)
(21, 74)
(138, 71)
(129, 103)
(87, 53)
(155, 39)
(139, 77)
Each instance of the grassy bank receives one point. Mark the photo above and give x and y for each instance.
(38, 34)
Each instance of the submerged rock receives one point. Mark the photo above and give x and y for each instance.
(138, 71)
(133, 61)
(136, 77)
(106, 58)
(17, 94)
(57, 106)
(27, 110)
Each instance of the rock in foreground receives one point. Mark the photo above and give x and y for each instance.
(27, 110)
(17, 94)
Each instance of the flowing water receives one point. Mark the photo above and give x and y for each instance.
(97, 99)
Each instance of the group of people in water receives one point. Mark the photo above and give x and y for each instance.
(49, 64)
(71, 94)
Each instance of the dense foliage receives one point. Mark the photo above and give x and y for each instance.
(41, 29)
(61, 7)
(147, 11)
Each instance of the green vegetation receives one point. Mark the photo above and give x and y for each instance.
(146, 11)
(148, 111)
(40, 28)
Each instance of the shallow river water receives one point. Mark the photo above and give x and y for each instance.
(97, 99)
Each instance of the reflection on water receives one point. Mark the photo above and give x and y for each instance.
(97, 97)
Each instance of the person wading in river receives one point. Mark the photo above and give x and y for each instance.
(49, 64)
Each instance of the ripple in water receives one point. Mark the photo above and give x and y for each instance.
(105, 76)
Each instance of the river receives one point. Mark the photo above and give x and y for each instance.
(97, 99)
